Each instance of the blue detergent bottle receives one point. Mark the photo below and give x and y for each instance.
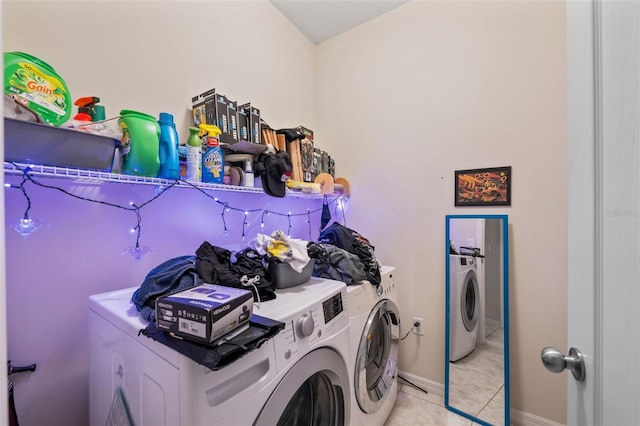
(169, 161)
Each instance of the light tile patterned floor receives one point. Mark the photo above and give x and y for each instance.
(483, 398)
(414, 408)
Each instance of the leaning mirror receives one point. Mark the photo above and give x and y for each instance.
(477, 318)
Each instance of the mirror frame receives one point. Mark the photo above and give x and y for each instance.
(505, 312)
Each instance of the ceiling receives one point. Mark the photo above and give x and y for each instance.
(320, 20)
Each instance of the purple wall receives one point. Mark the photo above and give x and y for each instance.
(78, 253)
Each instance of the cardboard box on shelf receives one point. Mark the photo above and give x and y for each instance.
(204, 313)
(317, 162)
(306, 158)
(232, 111)
(308, 133)
(243, 125)
(253, 115)
(198, 111)
(223, 118)
(325, 162)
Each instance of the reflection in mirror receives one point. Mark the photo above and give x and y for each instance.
(477, 329)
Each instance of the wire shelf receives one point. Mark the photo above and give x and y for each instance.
(95, 176)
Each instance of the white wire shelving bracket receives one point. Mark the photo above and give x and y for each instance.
(96, 176)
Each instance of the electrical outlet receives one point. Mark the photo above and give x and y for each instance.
(417, 329)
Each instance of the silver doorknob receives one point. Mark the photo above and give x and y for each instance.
(554, 361)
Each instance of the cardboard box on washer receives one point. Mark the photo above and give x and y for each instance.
(204, 313)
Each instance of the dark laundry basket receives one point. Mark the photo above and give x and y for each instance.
(284, 276)
(41, 144)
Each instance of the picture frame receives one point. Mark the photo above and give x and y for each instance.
(483, 187)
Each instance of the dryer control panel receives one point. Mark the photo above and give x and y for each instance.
(309, 327)
(386, 287)
(332, 307)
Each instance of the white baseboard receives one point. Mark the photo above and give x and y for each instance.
(430, 386)
(521, 418)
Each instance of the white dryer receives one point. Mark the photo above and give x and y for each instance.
(374, 333)
(464, 306)
(300, 376)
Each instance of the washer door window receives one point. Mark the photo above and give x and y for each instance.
(376, 361)
(314, 392)
(469, 301)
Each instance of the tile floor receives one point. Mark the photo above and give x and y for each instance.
(476, 388)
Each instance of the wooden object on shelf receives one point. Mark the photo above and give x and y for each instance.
(342, 185)
(329, 186)
(282, 142)
(326, 183)
(293, 149)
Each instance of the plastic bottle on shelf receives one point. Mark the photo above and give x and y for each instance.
(141, 133)
(84, 117)
(169, 163)
(249, 179)
(79, 122)
(194, 155)
(212, 158)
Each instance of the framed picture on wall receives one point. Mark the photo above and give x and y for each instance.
(483, 187)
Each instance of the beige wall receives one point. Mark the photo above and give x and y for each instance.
(432, 87)
(148, 56)
(153, 56)
(400, 102)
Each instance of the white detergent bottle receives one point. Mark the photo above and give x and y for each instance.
(194, 155)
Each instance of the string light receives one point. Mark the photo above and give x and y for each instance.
(225, 231)
(244, 226)
(26, 225)
(159, 189)
(138, 251)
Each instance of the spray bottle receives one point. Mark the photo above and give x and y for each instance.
(85, 113)
(213, 158)
(194, 155)
(88, 109)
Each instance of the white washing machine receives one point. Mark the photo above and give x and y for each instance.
(482, 329)
(300, 376)
(374, 333)
(464, 306)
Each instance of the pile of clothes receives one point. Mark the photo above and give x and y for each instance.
(211, 264)
(343, 254)
(340, 254)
